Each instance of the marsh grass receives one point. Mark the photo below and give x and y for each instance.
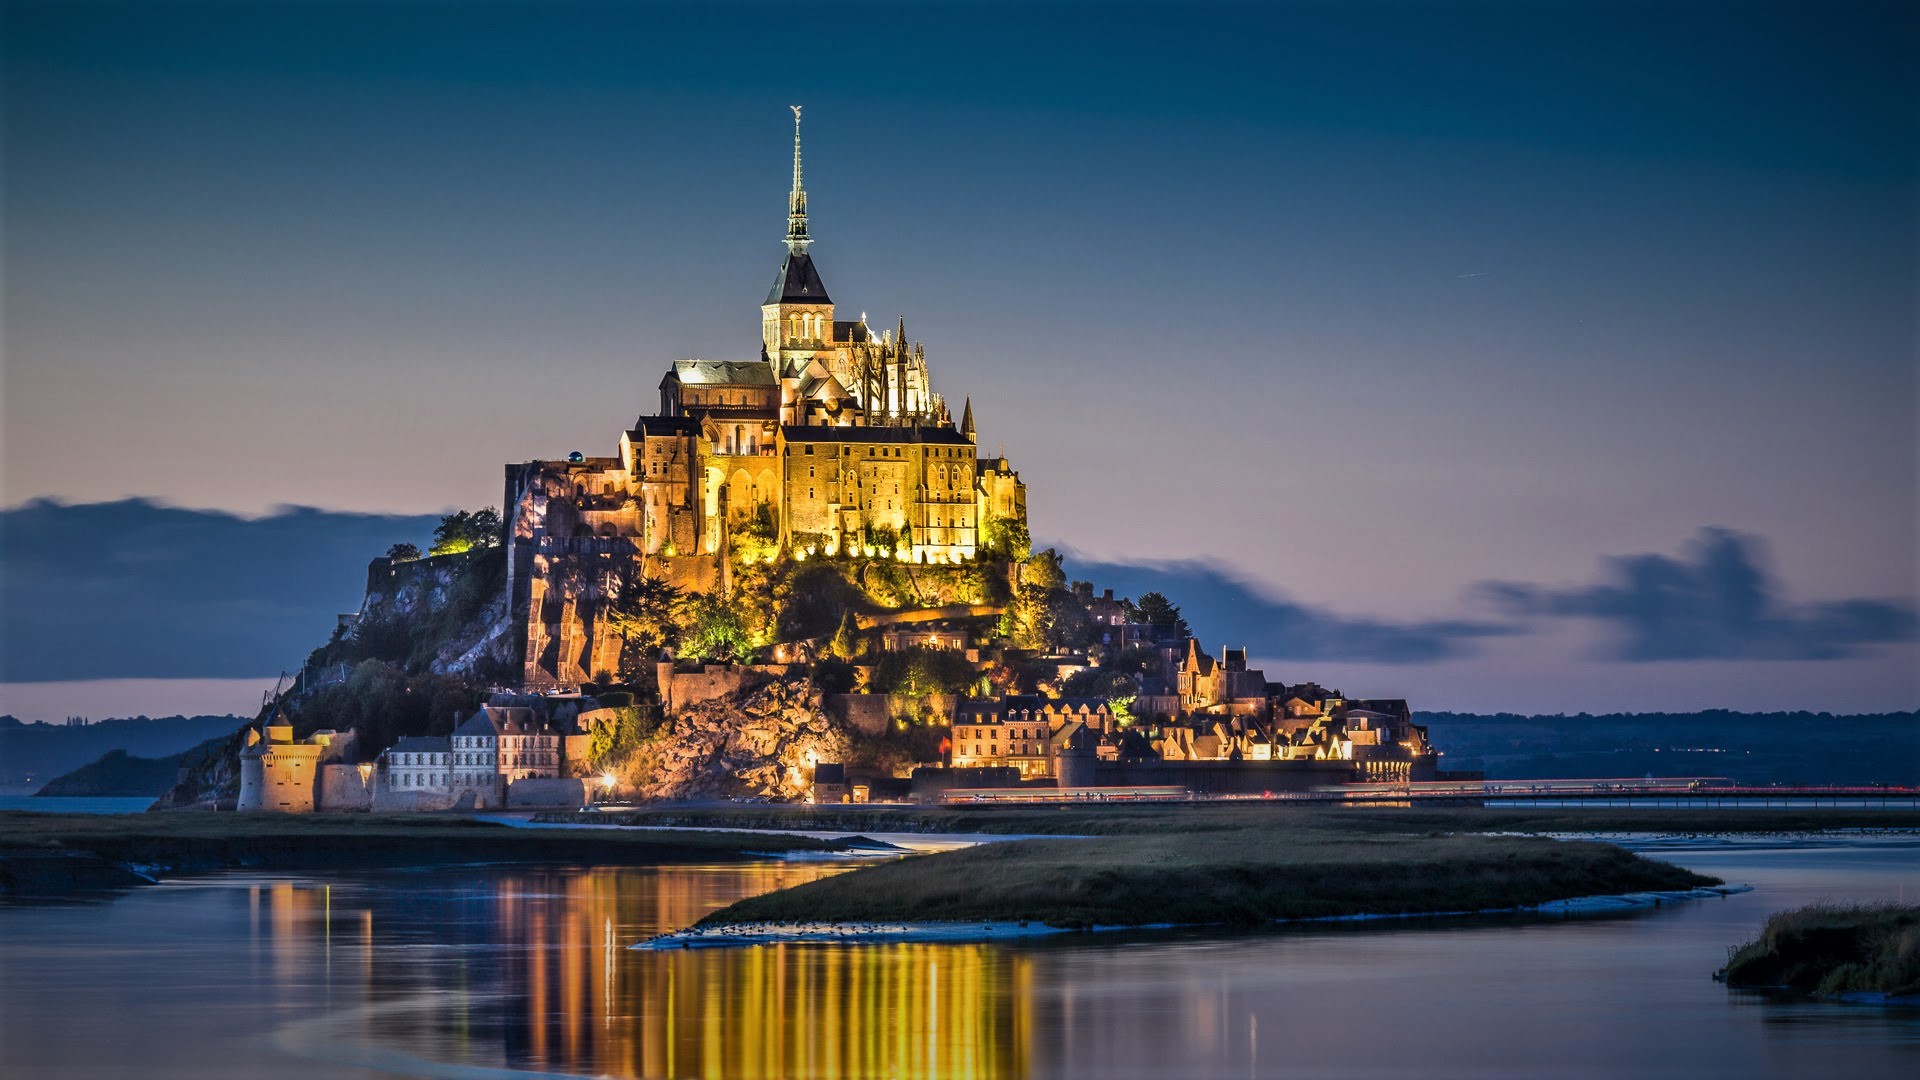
(1221, 876)
(1832, 949)
(191, 841)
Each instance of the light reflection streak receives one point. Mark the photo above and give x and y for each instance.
(529, 976)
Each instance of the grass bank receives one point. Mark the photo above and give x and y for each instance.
(1110, 820)
(1231, 876)
(40, 852)
(1833, 950)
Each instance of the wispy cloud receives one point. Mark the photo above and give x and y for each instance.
(1716, 601)
(1226, 609)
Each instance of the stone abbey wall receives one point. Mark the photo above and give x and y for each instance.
(341, 787)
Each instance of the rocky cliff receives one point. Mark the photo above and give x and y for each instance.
(762, 742)
(445, 615)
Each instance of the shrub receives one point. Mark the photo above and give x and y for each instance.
(921, 670)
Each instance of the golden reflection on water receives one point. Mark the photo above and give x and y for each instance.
(528, 969)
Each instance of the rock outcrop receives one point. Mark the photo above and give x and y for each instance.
(763, 742)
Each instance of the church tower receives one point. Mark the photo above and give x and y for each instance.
(796, 322)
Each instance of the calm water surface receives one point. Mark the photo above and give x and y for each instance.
(510, 971)
(55, 804)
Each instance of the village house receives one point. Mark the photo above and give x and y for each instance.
(1206, 685)
(418, 763)
(1024, 731)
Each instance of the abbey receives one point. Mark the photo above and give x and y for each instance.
(832, 441)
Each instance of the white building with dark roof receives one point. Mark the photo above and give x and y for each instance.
(418, 764)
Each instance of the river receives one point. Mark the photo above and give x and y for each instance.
(515, 971)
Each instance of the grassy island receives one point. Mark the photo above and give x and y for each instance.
(1218, 876)
(1833, 951)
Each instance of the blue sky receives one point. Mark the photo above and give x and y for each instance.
(1362, 306)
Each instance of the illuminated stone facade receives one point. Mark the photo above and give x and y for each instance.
(280, 774)
(831, 442)
(1025, 732)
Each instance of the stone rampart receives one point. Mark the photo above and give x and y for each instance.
(387, 800)
(341, 787)
(712, 682)
(866, 713)
(566, 791)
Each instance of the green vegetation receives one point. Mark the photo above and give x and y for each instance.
(466, 531)
(613, 743)
(920, 670)
(384, 702)
(1117, 689)
(1006, 538)
(648, 614)
(1044, 613)
(403, 553)
(1832, 949)
(1233, 876)
(715, 631)
(194, 842)
(757, 539)
(1157, 611)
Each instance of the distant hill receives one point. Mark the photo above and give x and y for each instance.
(119, 773)
(1752, 748)
(31, 754)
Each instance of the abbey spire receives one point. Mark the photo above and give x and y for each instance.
(797, 317)
(797, 240)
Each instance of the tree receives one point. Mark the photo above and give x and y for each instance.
(403, 553)
(715, 632)
(1003, 536)
(1157, 611)
(1115, 688)
(756, 539)
(845, 644)
(648, 614)
(1044, 569)
(920, 670)
(465, 531)
(615, 740)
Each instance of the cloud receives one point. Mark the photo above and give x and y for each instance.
(137, 589)
(1228, 610)
(1716, 602)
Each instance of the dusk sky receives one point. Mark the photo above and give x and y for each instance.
(1417, 319)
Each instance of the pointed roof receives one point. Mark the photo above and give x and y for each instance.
(966, 420)
(798, 282)
(797, 239)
